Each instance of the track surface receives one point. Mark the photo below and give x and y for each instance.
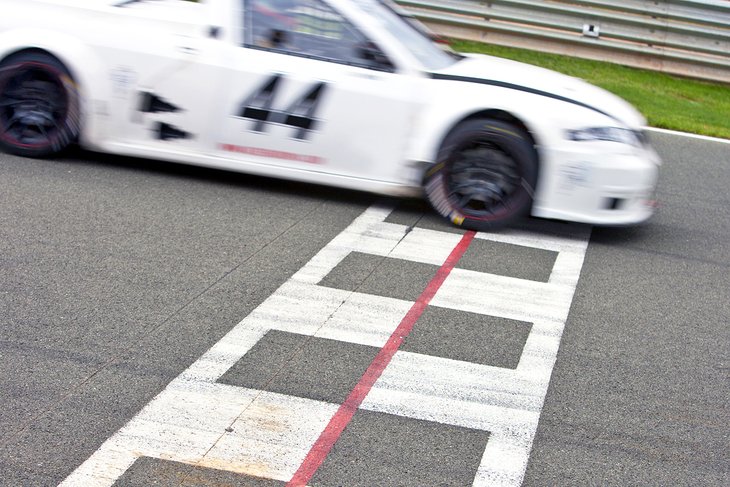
(118, 274)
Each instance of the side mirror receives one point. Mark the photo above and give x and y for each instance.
(278, 38)
(371, 53)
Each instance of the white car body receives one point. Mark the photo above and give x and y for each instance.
(375, 130)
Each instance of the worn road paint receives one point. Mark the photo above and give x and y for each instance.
(346, 412)
(198, 421)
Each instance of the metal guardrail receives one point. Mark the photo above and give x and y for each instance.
(685, 37)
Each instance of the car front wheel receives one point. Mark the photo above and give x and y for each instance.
(485, 175)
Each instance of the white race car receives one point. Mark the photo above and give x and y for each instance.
(349, 93)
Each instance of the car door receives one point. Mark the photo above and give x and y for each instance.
(308, 91)
(165, 77)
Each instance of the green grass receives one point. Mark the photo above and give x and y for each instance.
(666, 101)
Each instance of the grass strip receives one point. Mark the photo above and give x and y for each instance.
(669, 102)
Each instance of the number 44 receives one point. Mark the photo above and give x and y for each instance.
(299, 115)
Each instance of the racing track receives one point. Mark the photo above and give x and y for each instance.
(243, 311)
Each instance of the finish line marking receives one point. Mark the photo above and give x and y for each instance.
(199, 421)
(344, 414)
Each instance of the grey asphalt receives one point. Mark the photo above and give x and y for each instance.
(640, 393)
(116, 274)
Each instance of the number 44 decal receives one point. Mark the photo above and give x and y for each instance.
(299, 115)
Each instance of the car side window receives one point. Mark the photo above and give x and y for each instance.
(309, 28)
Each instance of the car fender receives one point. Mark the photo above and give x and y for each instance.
(543, 117)
(81, 61)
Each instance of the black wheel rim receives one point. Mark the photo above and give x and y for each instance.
(33, 105)
(482, 179)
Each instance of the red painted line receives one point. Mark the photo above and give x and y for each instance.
(332, 432)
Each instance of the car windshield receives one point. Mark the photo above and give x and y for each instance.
(423, 48)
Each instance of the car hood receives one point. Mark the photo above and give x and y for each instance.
(479, 68)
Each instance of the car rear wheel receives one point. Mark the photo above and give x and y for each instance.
(485, 175)
(39, 105)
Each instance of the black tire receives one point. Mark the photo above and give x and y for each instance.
(39, 105)
(485, 175)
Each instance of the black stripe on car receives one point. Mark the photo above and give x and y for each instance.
(512, 86)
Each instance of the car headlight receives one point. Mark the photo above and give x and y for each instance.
(610, 134)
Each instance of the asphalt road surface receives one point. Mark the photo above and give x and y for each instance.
(169, 325)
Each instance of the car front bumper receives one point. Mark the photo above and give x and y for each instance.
(597, 183)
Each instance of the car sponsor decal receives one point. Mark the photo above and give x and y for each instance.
(122, 77)
(149, 102)
(166, 131)
(258, 106)
(574, 175)
(153, 103)
(273, 154)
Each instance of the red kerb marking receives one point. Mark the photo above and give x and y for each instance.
(344, 414)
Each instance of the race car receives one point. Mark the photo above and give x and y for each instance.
(350, 93)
